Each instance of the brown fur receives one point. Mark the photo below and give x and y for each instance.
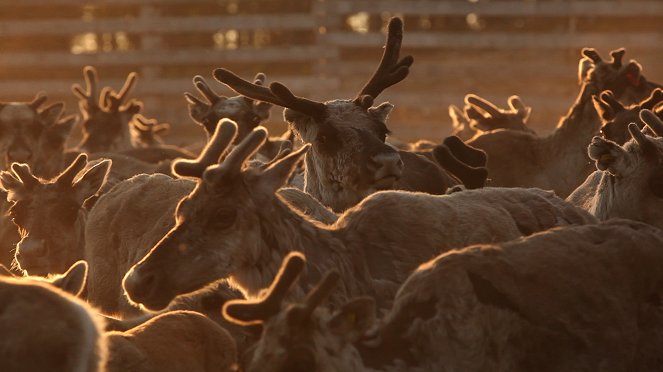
(578, 298)
(558, 161)
(233, 225)
(183, 341)
(628, 180)
(46, 329)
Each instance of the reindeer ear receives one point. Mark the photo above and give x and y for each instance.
(91, 181)
(353, 319)
(277, 174)
(262, 109)
(50, 114)
(16, 190)
(381, 112)
(73, 281)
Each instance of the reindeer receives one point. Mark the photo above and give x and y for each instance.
(233, 225)
(45, 328)
(557, 162)
(481, 115)
(349, 158)
(564, 299)
(628, 182)
(106, 115)
(616, 118)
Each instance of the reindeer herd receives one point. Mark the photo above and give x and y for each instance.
(334, 247)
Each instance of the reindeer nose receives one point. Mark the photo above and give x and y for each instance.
(388, 167)
(139, 285)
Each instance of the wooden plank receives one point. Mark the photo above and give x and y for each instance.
(161, 25)
(501, 8)
(160, 87)
(170, 57)
(651, 40)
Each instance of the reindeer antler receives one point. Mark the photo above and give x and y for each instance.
(66, 178)
(277, 94)
(654, 99)
(652, 121)
(390, 70)
(39, 100)
(224, 135)
(89, 95)
(255, 312)
(115, 100)
(483, 104)
(609, 98)
(617, 56)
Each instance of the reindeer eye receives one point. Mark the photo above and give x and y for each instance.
(224, 218)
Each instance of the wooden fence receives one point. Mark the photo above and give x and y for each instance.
(324, 49)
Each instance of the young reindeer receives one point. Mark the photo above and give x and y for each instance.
(558, 161)
(481, 115)
(106, 116)
(615, 117)
(51, 215)
(45, 328)
(349, 158)
(561, 300)
(233, 225)
(628, 182)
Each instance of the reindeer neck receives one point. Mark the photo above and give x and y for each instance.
(582, 122)
(312, 183)
(283, 230)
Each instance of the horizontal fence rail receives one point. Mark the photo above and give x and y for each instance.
(324, 50)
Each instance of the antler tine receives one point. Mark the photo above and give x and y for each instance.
(25, 174)
(609, 98)
(653, 121)
(482, 103)
(235, 160)
(516, 104)
(592, 54)
(127, 87)
(647, 146)
(66, 178)
(315, 109)
(90, 93)
(224, 135)
(321, 291)
(246, 88)
(259, 79)
(654, 99)
(201, 84)
(390, 70)
(617, 56)
(39, 100)
(249, 312)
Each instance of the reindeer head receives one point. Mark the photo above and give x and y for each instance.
(244, 111)
(27, 130)
(106, 116)
(303, 336)
(625, 81)
(218, 227)
(48, 213)
(616, 118)
(147, 132)
(349, 159)
(633, 173)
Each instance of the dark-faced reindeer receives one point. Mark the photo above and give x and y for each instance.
(106, 115)
(349, 158)
(615, 117)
